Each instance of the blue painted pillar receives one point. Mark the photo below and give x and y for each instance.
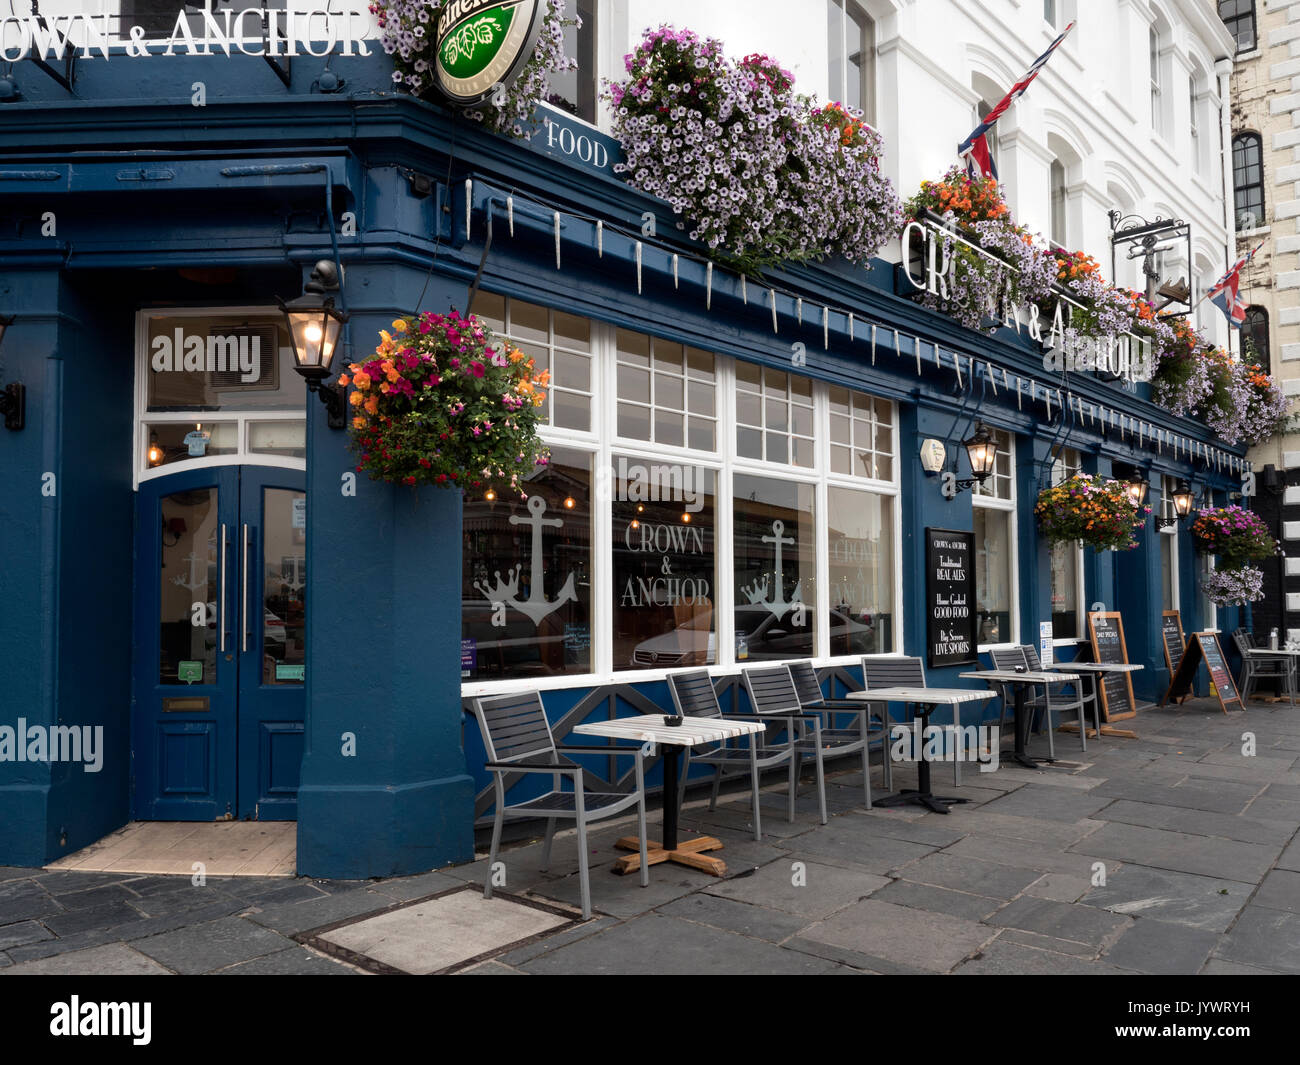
(383, 644)
(1034, 554)
(1138, 597)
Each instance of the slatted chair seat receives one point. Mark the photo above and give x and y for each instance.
(836, 741)
(518, 740)
(772, 695)
(694, 696)
(1257, 666)
(1068, 695)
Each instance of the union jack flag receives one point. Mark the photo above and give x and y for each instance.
(975, 148)
(1226, 293)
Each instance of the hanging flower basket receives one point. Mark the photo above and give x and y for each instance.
(1236, 535)
(1093, 511)
(1234, 587)
(757, 173)
(442, 402)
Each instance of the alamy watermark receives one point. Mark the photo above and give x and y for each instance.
(53, 743)
(973, 743)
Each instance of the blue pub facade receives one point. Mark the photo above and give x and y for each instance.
(192, 564)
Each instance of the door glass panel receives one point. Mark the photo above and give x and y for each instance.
(284, 583)
(188, 612)
(170, 442)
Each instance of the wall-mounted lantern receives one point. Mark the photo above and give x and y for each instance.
(315, 326)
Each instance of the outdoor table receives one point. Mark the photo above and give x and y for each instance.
(926, 699)
(1095, 670)
(1020, 682)
(1267, 652)
(692, 732)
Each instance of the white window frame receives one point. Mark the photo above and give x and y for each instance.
(993, 502)
(1081, 610)
(141, 471)
(868, 46)
(603, 443)
(1167, 487)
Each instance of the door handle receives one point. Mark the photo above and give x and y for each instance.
(221, 595)
(243, 592)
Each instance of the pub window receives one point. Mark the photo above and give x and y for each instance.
(664, 524)
(1239, 17)
(576, 91)
(860, 550)
(851, 46)
(667, 393)
(862, 435)
(1059, 235)
(1157, 44)
(1254, 336)
(1248, 180)
(775, 568)
(556, 341)
(774, 416)
(1049, 12)
(1067, 565)
(526, 575)
(1194, 110)
(994, 506)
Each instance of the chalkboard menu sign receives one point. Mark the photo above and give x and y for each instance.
(1171, 632)
(950, 598)
(1106, 629)
(1204, 646)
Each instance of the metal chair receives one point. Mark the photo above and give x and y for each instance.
(892, 671)
(839, 741)
(1257, 665)
(518, 739)
(694, 696)
(1057, 698)
(772, 695)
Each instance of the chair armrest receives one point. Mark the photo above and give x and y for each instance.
(532, 767)
(598, 750)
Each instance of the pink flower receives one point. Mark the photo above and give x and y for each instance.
(476, 368)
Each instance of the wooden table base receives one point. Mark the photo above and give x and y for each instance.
(687, 853)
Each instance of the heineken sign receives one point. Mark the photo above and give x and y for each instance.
(482, 45)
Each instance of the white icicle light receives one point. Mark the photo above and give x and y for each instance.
(638, 268)
(850, 327)
(771, 292)
(873, 344)
(988, 370)
(557, 240)
(1018, 406)
(798, 309)
(600, 239)
(674, 271)
(469, 204)
(826, 328)
(708, 287)
(916, 347)
(744, 293)
(510, 214)
(956, 362)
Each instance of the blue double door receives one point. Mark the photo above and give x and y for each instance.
(218, 706)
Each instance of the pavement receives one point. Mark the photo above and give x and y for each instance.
(1174, 853)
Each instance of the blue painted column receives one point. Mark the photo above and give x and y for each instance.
(1035, 555)
(1138, 597)
(383, 644)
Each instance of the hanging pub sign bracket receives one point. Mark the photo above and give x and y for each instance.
(1142, 240)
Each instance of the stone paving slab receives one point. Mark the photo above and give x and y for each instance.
(1265, 937)
(1180, 851)
(1151, 946)
(939, 900)
(1182, 898)
(816, 891)
(931, 942)
(1003, 958)
(116, 959)
(208, 947)
(1199, 822)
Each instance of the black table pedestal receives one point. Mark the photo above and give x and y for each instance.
(1022, 729)
(920, 795)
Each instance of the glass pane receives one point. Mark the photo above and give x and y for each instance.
(748, 411)
(633, 421)
(220, 362)
(749, 443)
(572, 331)
(634, 384)
(664, 524)
(170, 442)
(670, 429)
(526, 565)
(803, 421)
(669, 392)
(775, 567)
(701, 434)
(572, 411)
(841, 460)
(284, 586)
(804, 454)
(492, 309)
(573, 371)
(668, 356)
(777, 413)
(1065, 591)
(778, 448)
(840, 430)
(700, 397)
(861, 531)
(188, 613)
(839, 399)
(287, 438)
(699, 364)
(748, 376)
(633, 348)
(993, 575)
(801, 390)
(1167, 571)
(529, 322)
(774, 384)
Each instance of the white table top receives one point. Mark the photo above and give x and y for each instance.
(1099, 667)
(1010, 675)
(933, 696)
(1271, 651)
(693, 732)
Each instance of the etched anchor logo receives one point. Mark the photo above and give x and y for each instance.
(536, 606)
(757, 592)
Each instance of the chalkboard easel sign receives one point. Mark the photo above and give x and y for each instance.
(1106, 632)
(950, 598)
(1204, 646)
(1171, 634)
